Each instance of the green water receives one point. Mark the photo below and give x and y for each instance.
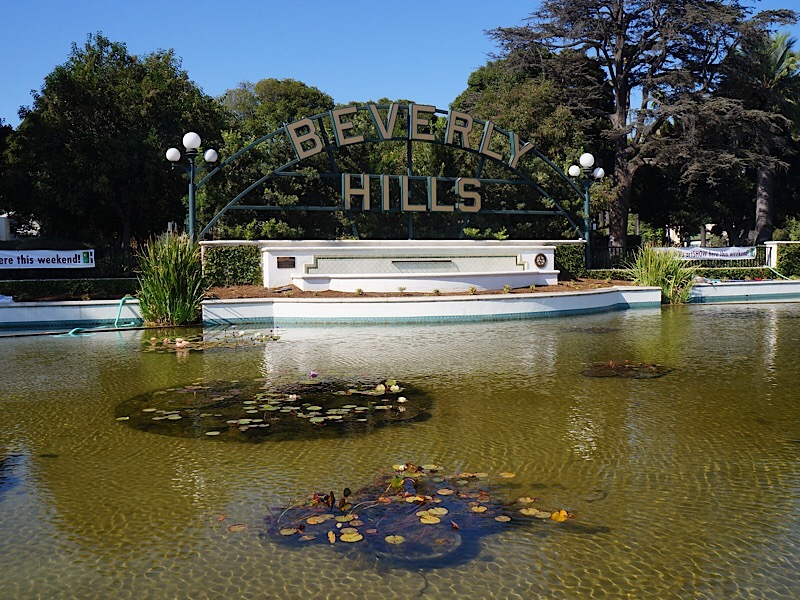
(688, 484)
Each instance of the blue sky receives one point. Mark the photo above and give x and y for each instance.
(350, 49)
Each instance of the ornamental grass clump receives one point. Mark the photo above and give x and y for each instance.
(171, 284)
(664, 269)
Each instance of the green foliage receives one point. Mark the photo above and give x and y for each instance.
(619, 274)
(666, 270)
(171, 282)
(570, 259)
(789, 260)
(735, 273)
(232, 265)
(789, 232)
(32, 290)
(88, 157)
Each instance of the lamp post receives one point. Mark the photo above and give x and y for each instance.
(191, 141)
(587, 177)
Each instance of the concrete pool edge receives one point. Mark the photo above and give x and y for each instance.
(391, 310)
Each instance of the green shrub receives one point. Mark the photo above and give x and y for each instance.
(570, 259)
(789, 260)
(171, 282)
(620, 274)
(31, 290)
(666, 270)
(232, 265)
(736, 273)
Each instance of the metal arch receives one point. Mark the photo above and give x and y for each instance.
(329, 149)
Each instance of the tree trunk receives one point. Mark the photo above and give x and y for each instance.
(764, 209)
(618, 207)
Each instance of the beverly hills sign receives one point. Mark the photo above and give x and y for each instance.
(308, 138)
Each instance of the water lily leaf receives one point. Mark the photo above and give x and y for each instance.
(502, 518)
(430, 520)
(530, 512)
(284, 531)
(237, 527)
(316, 519)
(346, 530)
(445, 492)
(307, 538)
(430, 467)
(481, 475)
(345, 518)
(351, 537)
(508, 475)
(391, 382)
(123, 418)
(394, 539)
(439, 511)
(213, 433)
(331, 537)
(479, 509)
(526, 500)
(559, 516)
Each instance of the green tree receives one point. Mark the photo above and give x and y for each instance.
(258, 110)
(656, 56)
(764, 73)
(88, 157)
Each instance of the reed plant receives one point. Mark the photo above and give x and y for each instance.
(170, 284)
(664, 269)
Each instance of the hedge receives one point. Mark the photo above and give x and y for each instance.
(232, 265)
(789, 260)
(31, 290)
(570, 259)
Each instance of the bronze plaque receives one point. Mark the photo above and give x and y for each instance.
(285, 262)
(540, 260)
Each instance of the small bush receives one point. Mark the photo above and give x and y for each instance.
(666, 270)
(789, 260)
(31, 290)
(570, 259)
(232, 265)
(171, 284)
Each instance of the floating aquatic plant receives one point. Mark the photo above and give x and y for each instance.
(273, 408)
(200, 342)
(629, 369)
(412, 516)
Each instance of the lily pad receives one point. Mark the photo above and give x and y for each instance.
(295, 409)
(387, 528)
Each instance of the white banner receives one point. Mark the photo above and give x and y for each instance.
(697, 253)
(46, 259)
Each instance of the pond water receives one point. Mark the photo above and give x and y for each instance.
(686, 485)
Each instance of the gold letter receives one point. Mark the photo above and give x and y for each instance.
(433, 200)
(464, 128)
(405, 203)
(486, 139)
(348, 192)
(339, 127)
(384, 132)
(414, 122)
(516, 151)
(473, 196)
(384, 192)
(299, 140)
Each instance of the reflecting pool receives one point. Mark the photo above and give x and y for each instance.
(684, 486)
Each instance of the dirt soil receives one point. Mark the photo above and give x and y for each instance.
(290, 291)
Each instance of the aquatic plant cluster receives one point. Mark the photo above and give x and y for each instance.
(263, 408)
(628, 369)
(200, 342)
(412, 516)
